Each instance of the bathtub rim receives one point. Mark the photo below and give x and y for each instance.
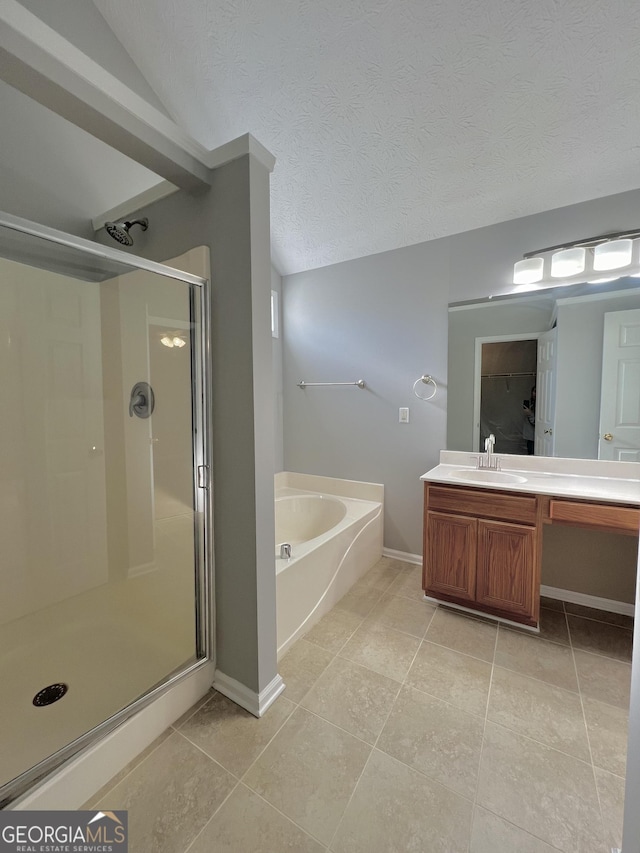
(331, 500)
(356, 510)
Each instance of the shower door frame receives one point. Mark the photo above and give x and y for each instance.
(200, 308)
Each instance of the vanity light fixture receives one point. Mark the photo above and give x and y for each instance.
(568, 262)
(612, 255)
(528, 271)
(580, 261)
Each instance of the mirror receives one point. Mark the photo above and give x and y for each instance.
(490, 373)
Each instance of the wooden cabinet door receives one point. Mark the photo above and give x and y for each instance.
(450, 555)
(506, 567)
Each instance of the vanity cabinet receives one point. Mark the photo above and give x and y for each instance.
(482, 550)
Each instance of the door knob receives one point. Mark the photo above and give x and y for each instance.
(548, 432)
(607, 436)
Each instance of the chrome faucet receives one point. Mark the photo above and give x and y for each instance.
(489, 461)
(285, 551)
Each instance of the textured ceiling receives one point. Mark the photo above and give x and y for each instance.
(397, 121)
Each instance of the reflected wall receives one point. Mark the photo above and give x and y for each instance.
(579, 320)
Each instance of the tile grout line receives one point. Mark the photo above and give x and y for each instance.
(110, 790)
(539, 743)
(239, 779)
(270, 741)
(362, 621)
(586, 727)
(285, 816)
(315, 681)
(299, 705)
(337, 654)
(373, 748)
(190, 845)
(206, 754)
(525, 831)
(601, 621)
(544, 745)
(336, 726)
(482, 740)
(539, 680)
(528, 736)
(449, 648)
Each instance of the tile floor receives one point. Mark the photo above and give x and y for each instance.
(404, 727)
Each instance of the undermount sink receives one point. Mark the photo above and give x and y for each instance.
(488, 475)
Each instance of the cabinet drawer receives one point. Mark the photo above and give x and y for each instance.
(484, 503)
(596, 516)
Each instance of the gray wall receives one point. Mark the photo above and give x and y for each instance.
(278, 403)
(384, 319)
(233, 220)
(590, 562)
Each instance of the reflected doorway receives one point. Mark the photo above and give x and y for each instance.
(506, 369)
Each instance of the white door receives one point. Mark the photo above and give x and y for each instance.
(546, 393)
(620, 391)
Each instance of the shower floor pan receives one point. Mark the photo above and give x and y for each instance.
(109, 645)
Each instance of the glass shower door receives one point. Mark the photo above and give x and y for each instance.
(103, 575)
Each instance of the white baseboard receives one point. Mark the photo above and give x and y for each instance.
(402, 555)
(482, 613)
(588, 600)
(256, 703)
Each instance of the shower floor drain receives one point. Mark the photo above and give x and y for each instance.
(49, 695)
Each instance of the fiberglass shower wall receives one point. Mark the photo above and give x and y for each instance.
(101, 519)
(151, 481)
(53, 518)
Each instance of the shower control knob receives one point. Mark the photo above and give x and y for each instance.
(607, 436)
(142, 401)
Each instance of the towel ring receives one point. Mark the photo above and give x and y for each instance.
(426, 379)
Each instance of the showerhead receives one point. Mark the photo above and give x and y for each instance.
(120, 230)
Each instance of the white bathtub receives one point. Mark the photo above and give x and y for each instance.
(335, 537)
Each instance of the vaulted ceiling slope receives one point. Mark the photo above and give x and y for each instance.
(398, 121)
(50, 170)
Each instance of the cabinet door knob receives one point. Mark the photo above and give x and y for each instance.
(607, 436)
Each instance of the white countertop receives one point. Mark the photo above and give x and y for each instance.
(611, 482)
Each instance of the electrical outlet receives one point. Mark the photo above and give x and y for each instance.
(403, 416)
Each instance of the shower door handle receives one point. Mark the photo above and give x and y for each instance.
(142, 401)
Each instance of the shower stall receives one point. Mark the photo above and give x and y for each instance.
(105, 499)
